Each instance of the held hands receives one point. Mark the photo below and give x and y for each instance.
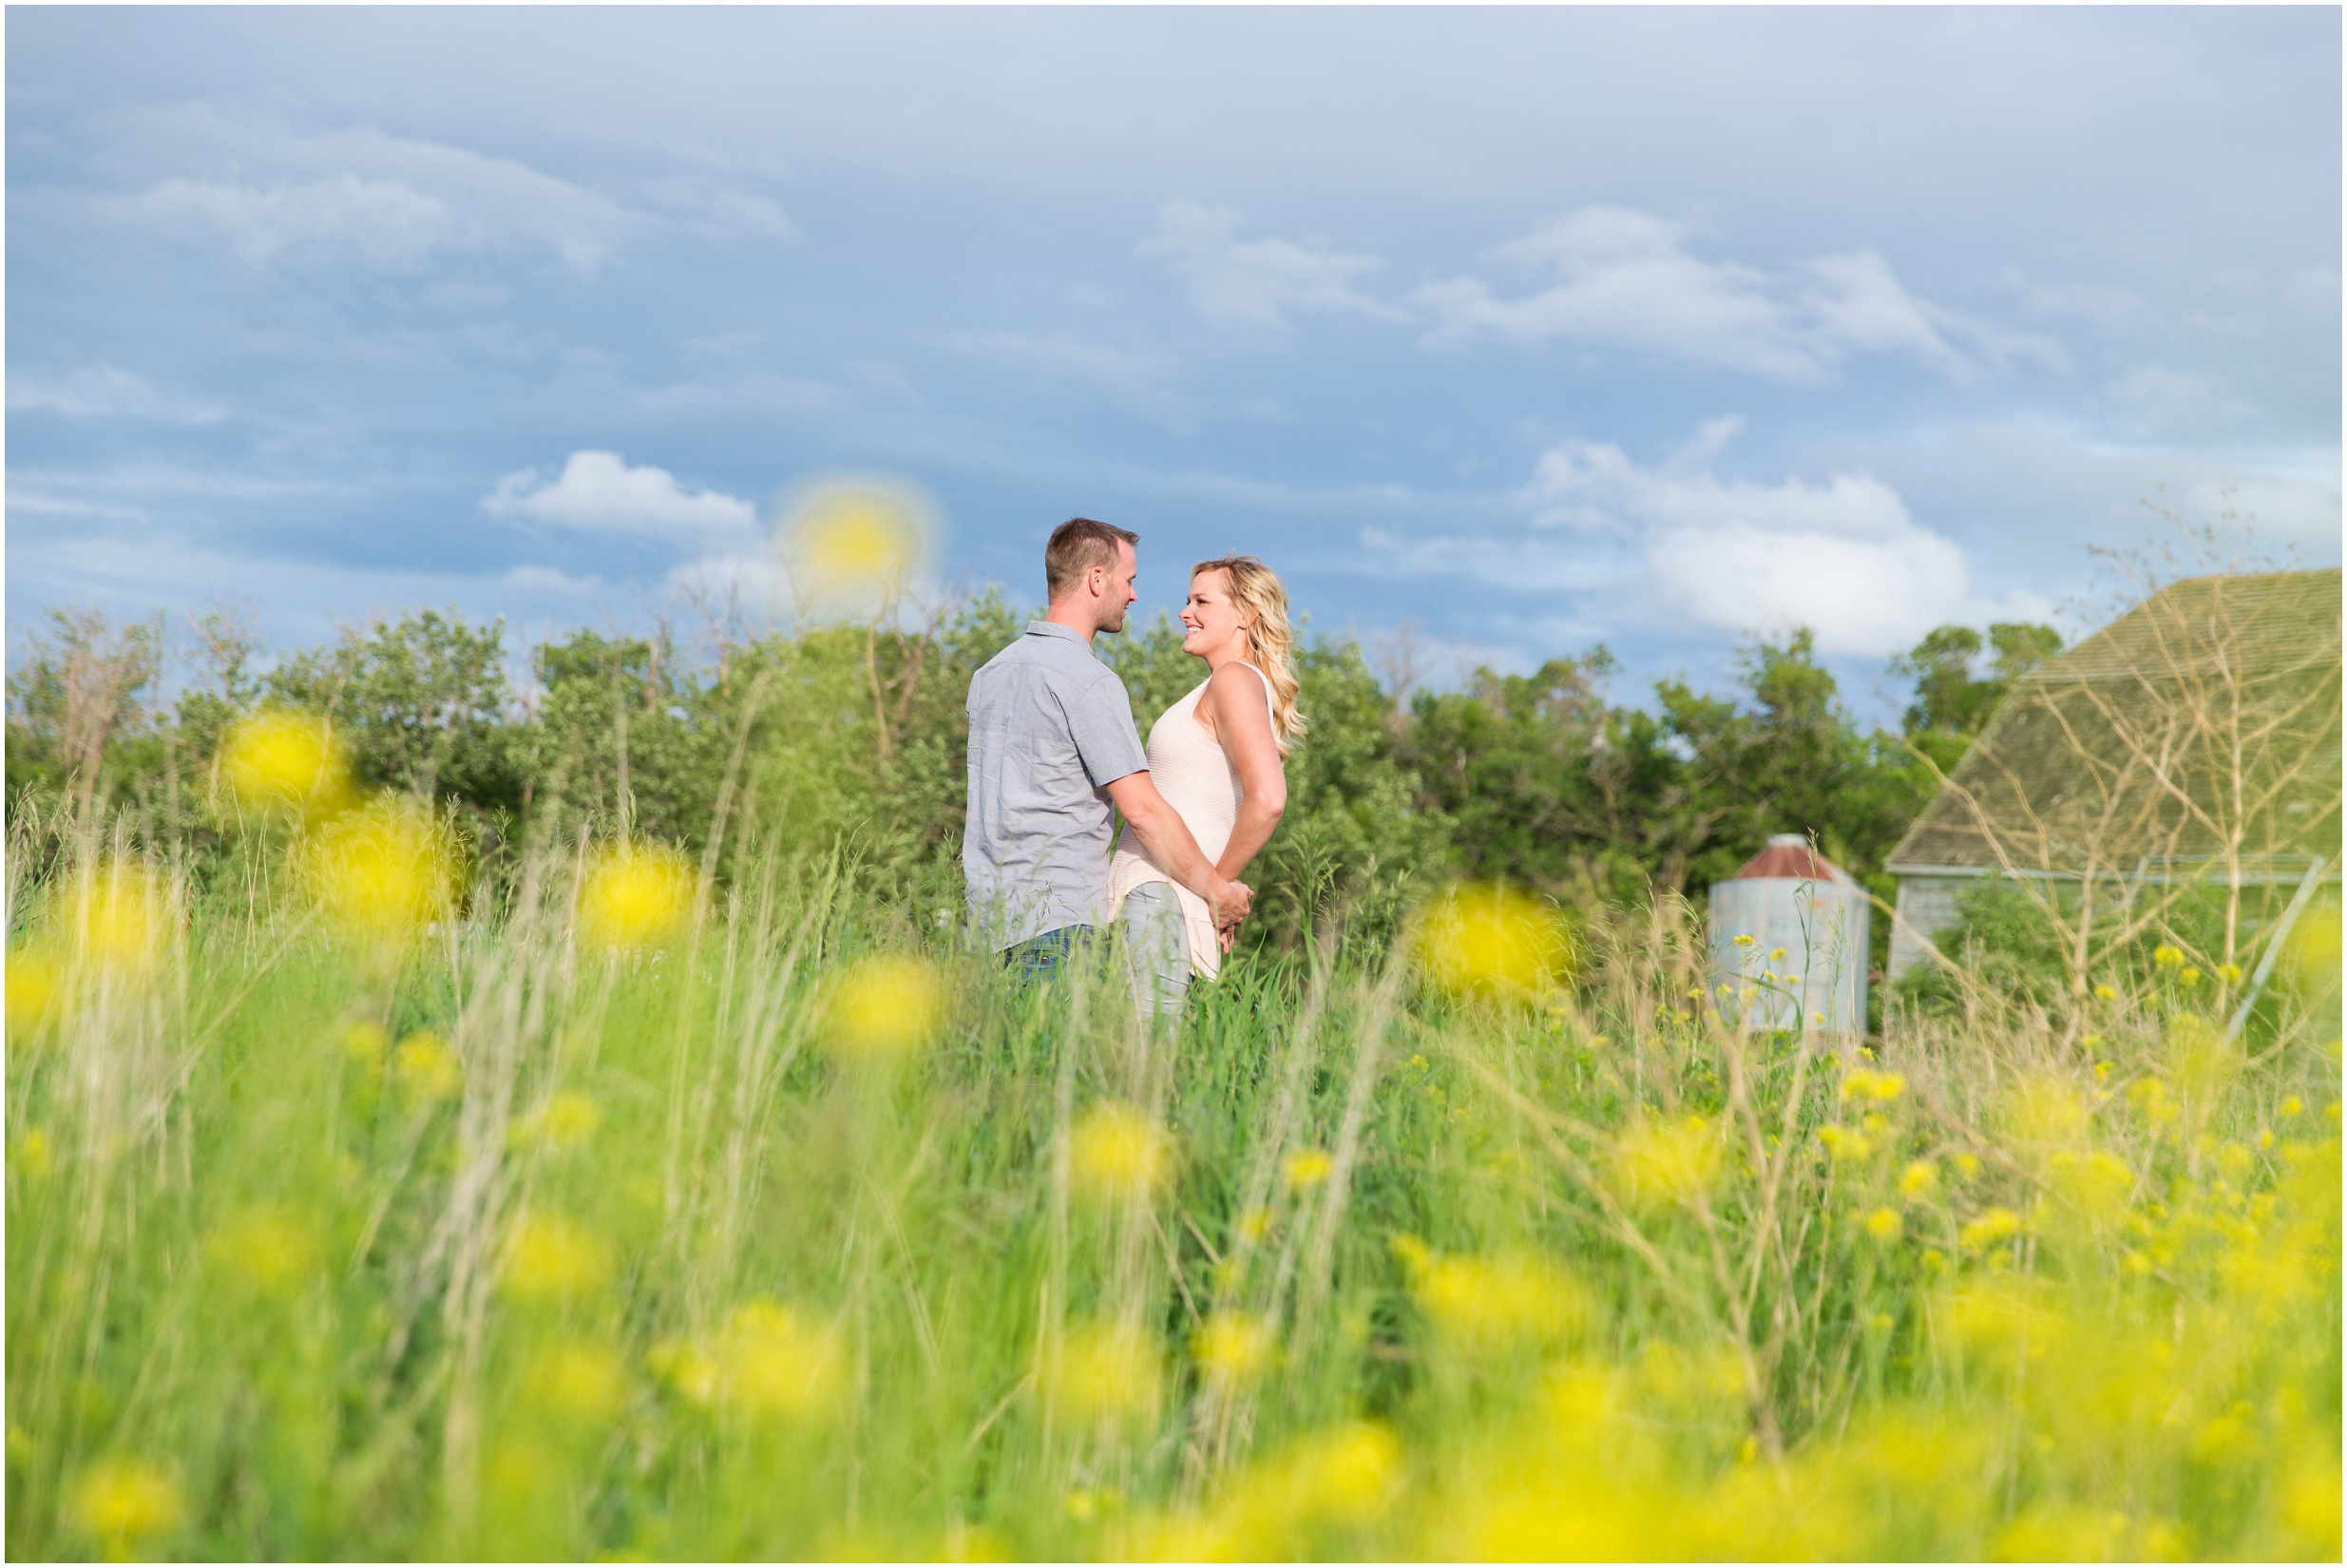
(1229, 906)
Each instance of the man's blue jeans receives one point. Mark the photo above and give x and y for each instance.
(1042, 958)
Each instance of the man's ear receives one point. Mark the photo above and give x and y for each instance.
(1095, 578)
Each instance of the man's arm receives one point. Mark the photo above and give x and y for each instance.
(1173, 851)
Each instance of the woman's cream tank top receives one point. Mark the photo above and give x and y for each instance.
(1190, 770)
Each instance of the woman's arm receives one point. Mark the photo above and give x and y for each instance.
(1241, 712)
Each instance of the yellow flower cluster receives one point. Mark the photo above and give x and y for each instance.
(1484, 1305)
(1862, 1083)
(277, 760)
(633, 896)
(1115, 1153)
(1333, 1481)
(770, 1363)
(884, 1009)
(1104, 1372)
(1486, 940)
(551, 1259)
(1660, 1163)
(383, 871)
(1233, 1348)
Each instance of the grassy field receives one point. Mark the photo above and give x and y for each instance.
(631, 1220)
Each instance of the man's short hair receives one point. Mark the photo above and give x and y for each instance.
(1077, 546)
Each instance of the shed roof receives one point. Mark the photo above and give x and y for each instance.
(2205, 720)
(1789, 855)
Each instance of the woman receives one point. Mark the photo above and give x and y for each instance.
(1215, 756)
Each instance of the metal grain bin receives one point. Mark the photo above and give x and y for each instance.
(1788, 942)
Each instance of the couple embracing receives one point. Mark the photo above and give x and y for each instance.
(1054, 757)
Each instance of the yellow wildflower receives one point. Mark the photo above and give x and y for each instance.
(1663, 1162)
(2229, 973)
(1864, 1084)
(266, 1248)
(1254, 1223)
(382, 872)
(1484, 1304)
(2292, 1105)
(551, 1259)
(565, 1122)
(1919, 1180)
(124, 1505)
(1116, 1152)
(1233, 1348)
(2310, 958)
(2096, 1184)
(2187, 977)
(775, 1363)
(1307, 1168)
(2106, 993)
(116, 917)
(34, 1157)
(276, 760)
(2166, 957)
(884, 1008)
(1992, 1225)
(426, 1068)
(1489, 941)
(32, 983)
(578, 1380)
(1845, 1144)
(1104, 1372)
(1885, 1225)
(633, 896)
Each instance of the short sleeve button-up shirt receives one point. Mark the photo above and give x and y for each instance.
(1051, 728)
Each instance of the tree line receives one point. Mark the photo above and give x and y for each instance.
(853, 738)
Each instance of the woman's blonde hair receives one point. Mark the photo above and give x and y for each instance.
(1270, 644)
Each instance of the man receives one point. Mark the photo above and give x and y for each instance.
(1054, 755)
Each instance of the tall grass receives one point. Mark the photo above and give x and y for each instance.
(798, 1231)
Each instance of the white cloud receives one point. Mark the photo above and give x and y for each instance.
(1238, 282)
(1138, 381)
(1841, 555)
(1630, 278)
(101, 391)
(397, 204)
(597, 493)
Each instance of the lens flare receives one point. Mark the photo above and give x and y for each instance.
(279, 760)
(856, 540)
(1486, 940)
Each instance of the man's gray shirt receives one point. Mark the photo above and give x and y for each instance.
(1050, 729)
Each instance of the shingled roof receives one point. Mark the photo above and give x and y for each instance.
(2202, 724)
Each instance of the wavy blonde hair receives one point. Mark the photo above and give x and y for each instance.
(1255, 588)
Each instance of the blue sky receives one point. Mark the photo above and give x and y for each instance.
(1532, 328)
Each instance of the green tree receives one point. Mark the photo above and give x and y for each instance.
(424, 704)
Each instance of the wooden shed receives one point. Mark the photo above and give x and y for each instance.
(2195, 738)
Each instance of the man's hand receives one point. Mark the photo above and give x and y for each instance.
(1229, 903)
(1173, 851)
